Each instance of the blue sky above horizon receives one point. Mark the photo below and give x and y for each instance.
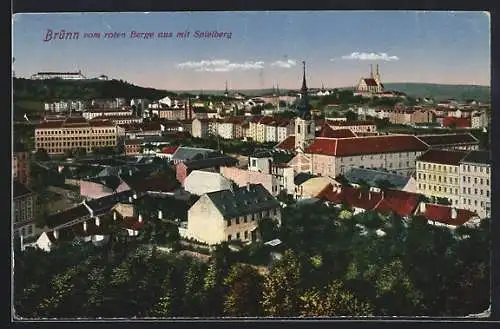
(265, 48)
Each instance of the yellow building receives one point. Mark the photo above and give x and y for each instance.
(73, 133)
(438, 174)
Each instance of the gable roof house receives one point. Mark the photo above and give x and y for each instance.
(183, 169)
(90, 221)
(229, 215)
(448, 216)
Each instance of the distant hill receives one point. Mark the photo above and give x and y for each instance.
(436, 91)
(57, 89)
(442, 91)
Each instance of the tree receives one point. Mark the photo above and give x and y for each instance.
(351, 116)
(268, 229)
(281, 289)
(335, 300)
(42, 155)
(69, 153)
(244, 291)
(80, 152)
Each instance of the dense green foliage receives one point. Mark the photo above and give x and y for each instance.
(57, 89)
(347, 268)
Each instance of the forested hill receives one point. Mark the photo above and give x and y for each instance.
(57, 89)
(442, 91)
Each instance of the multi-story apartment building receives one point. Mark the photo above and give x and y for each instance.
(354, 126)
(182, 113)
(65, 105)
(475, 182)
(21, 166)
(225, 129)
(331, 157)
(57, 137)
(94, 113)
(252, 127)
(438, 174)
(479, 120)
(121, 119)
(24, 210)
(411, 116)
(200, 128)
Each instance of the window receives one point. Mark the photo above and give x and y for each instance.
(487, 182)
(246, 235)
(475, 203)
(229, 222)
(298, 129)
(482, 203)
(419, 186)
(468, 190)
(468, 201)
(238, 236)
(465, 179)
(475, 180)
(456, 191)
(229, 237)
(487, 193)
(468, 180)
(475, 169)
(237, 220)
(456, 181)
(481, 181)
(419, 176)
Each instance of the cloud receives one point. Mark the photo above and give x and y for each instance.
(369, 57)
(289, 63)
(220, 65)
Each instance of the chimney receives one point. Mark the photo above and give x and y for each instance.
(135, 196)
(97, 221)
(160, 214)
(114, 215)
(56, 234)
(248, 186)
(422, 207)
(85, 226)
(140, 218)
(453, 213)
(369, 195)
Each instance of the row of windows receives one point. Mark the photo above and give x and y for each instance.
(439, 179)
(381, 156)
(468, 190)
(252, 217)
(26, 230)
(238, 236)
(72, 132)
(437, 188)
(74, 138)
(469, 202)
(428, 166)
(481, 181)
(69, 144)
(467, 168)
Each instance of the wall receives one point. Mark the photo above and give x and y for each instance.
(205, 223)
(241, 177)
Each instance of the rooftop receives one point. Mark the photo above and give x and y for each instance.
(452, 158)
(448, 139)
(373, 177)
(479, 157)
(366, 145)
(444, 214)
(243, 200)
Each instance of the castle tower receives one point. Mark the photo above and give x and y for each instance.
(304, 124)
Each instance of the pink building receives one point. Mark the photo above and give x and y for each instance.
(242, 176)
(101, 187)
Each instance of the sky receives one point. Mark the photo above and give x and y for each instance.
(257, 50)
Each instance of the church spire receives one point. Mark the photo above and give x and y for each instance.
(226, 92)
(303, 106)
(304, 84)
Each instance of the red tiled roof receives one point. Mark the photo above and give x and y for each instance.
(287, 144)
(169, 149)
(329, 132)
(353, 197)
(266, 120)
(256, 118)
(350, 123)
(443, 157)
(366, 145)
(399, 202)
(443, 214)
(370, 82)
(458, 122)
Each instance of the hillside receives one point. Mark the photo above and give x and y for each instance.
(436, 91)
(55, 89)
(443, 92)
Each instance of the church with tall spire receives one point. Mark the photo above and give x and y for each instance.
(304, 123)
